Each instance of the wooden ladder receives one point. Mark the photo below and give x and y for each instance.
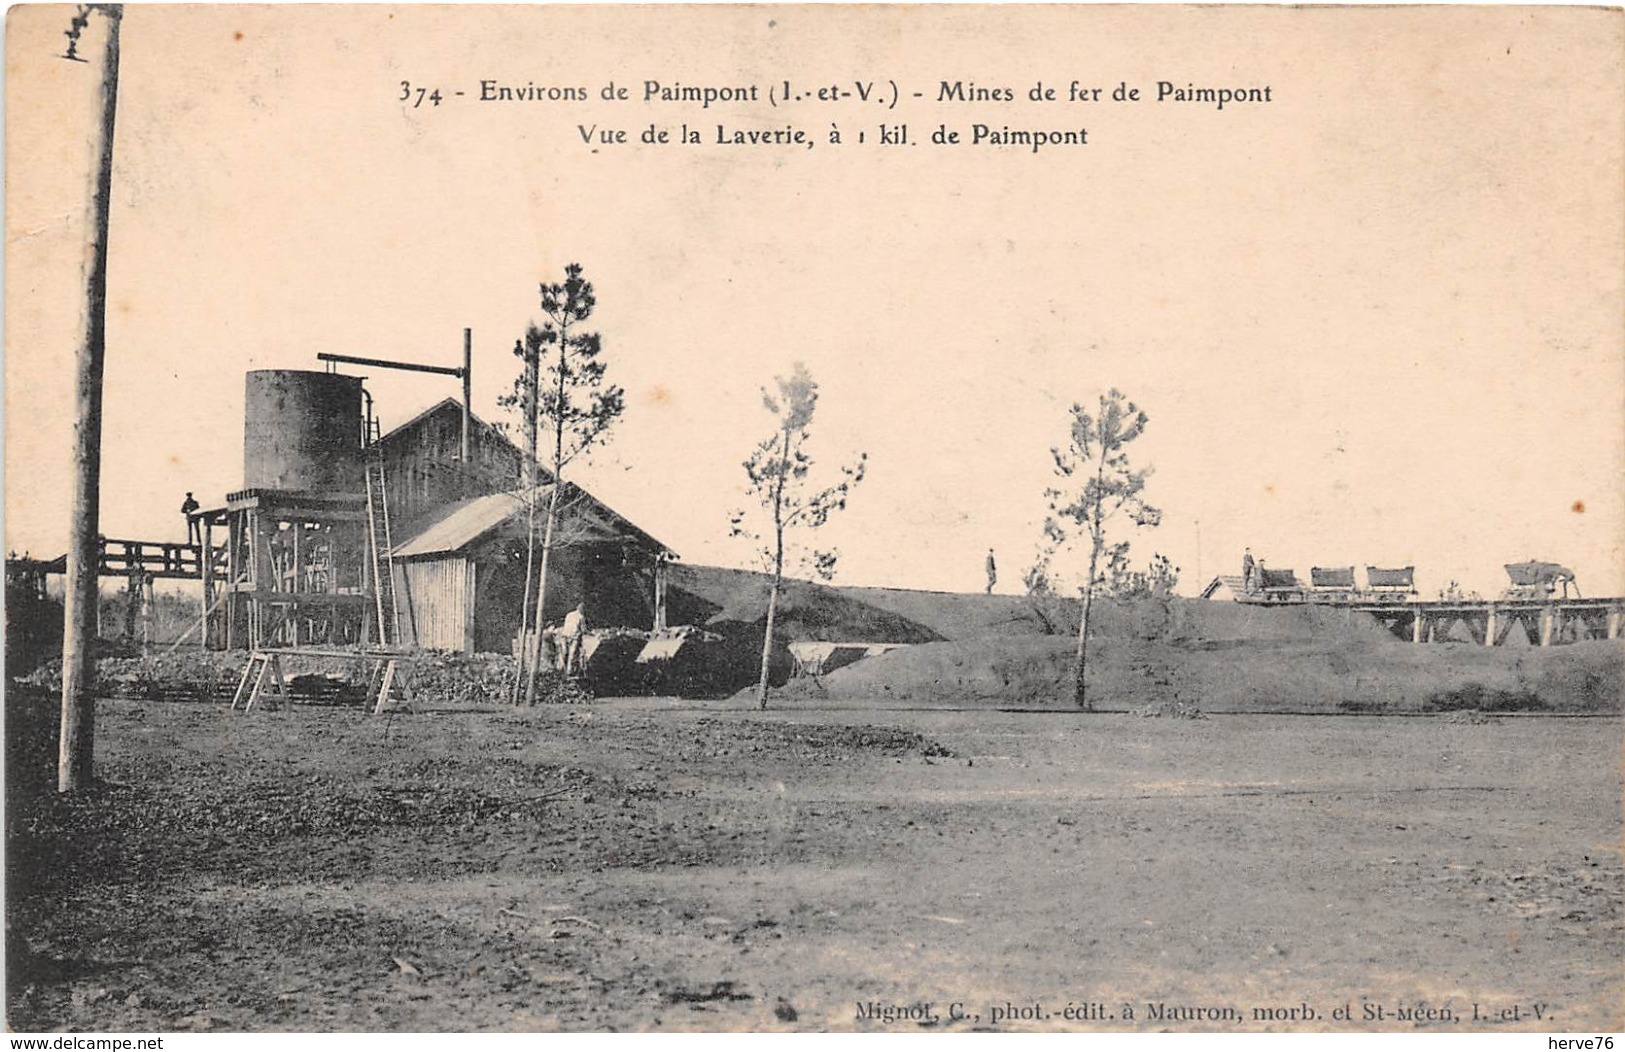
(381, 548)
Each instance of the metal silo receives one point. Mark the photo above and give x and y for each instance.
(302, 432)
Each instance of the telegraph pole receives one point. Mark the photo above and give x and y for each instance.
(76, 747)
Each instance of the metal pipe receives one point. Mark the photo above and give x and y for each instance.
(468, 389)
(411, 367)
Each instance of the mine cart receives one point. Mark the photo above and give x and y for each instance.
(1539, 580)
(1397, 582)
(1331, 584)
(1280, 586)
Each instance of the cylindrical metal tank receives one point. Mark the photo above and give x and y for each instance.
(302, 432)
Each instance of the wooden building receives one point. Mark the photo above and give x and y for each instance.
(424, 469)
(460, 578)
(312, 557)
(459, 530)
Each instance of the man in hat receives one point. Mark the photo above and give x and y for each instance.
(194, 529)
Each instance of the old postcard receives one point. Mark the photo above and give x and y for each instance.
(776, 518)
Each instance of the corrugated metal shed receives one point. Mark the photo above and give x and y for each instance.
(462, 525)
(466, 522)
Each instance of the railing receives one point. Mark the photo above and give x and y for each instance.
(167, 559)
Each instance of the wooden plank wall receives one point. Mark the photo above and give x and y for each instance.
(424, 472)
(440, 594)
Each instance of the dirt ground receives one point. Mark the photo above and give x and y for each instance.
(646, 864)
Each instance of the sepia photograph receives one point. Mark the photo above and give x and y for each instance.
(795, 518)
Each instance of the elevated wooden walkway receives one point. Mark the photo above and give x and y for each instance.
(1492, 622)
(161, 560)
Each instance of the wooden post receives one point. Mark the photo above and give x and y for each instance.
(660, 593)
(1489, 628)
(1548, 624)
(369, 610)
(251, 605)
(132, 602)
(76, 744)
(1416, 625)
(280, 682)
(297, 584)
(234, 573)
(387, 681)
(252, 526)
(470, 601)
(146, 611)
(265, 581)
(242, 684)
(468, 394)
(206, 570)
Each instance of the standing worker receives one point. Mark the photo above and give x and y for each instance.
(1248, 570)
(574, 628)
(194, 529)
(992, 572)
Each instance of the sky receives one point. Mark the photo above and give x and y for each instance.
(1377, 320)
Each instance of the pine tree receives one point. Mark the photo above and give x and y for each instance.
(1096, 455)
(561, 394)
(778, 469)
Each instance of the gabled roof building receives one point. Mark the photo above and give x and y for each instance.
(459, 533)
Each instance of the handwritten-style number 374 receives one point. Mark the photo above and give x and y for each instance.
(418, 96)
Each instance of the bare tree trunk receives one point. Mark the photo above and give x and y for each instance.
(524, 601)
(1079, 693)
(76, 745)
(533, 658)
(767, 643)
(552, 507)
(1097, 541)
(533, 368)
(778, 569)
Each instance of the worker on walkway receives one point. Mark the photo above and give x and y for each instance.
(194, 528)
(1249, 571)
(992, 572)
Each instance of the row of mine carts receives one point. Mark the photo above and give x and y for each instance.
(1529, 580)
(1336, 584)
